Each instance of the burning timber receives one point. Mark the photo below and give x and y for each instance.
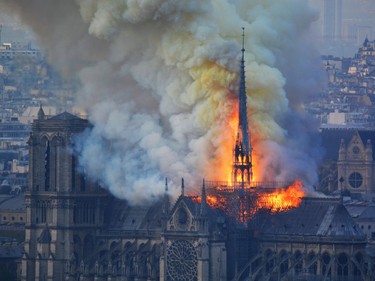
(244, 201)
(243, 197)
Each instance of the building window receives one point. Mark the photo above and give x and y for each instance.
(12, 218)
(355, 149)
(5, 218)
(342, 265)
(355, 180)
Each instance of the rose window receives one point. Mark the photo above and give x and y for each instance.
(182, 261)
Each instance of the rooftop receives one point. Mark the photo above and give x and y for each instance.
(321, 218)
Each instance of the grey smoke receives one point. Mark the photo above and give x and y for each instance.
(159, 83)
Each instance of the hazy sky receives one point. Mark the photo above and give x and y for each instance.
(360, 13)
(356, 14)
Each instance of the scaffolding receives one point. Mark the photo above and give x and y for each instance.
(241, 201)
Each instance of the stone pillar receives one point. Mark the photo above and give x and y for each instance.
(162, 269)
(203, 259)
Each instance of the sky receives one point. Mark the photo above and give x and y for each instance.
(355, 12)
(358, 15)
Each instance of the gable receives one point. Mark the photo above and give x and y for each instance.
(331, 139)
(356, 148)
(182, 218)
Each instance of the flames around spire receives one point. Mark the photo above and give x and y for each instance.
(242, 160)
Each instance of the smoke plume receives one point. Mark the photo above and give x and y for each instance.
(160, 78)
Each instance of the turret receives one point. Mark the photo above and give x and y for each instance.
(342, 150)
(41, 114)
(368, 151)
(166, 199)
(182, 187)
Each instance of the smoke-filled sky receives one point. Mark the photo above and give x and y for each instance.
(159, 81)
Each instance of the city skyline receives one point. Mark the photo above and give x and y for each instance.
(343, 25)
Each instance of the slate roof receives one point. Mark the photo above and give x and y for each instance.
(322, 218)
(122, 216)
(64, 116)
(215, 216)
(14, 203)
(10, 249)
(56, 123)
(331, 139)
(367, 214)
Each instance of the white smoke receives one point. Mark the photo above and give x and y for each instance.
(159, 80)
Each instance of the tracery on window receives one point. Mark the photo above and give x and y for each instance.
(355, 180)
(182, 261)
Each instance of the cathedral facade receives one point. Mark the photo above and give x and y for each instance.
(75, 230)
(349, 165)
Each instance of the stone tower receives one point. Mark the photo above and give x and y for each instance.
(62, 207)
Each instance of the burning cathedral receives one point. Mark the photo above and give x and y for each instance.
(236, 230)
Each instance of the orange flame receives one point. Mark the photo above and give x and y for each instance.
(283, 199)
(254, 199)
(224, 165)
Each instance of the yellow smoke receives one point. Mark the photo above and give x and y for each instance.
(160, 82)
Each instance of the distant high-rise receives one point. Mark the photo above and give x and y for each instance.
(332, 25)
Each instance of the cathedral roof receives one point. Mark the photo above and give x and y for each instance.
(122, 216)
(367, 214)
(319, 218)
(62, 122)
(10, 249)
(65, 116)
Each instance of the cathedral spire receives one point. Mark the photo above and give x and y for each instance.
(242, 163)
(41, 114)
(243, 125)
